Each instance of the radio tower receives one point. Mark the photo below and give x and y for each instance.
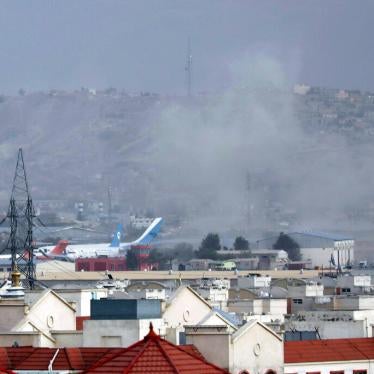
(21, 214)
(188, 69)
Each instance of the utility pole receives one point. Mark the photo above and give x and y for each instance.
(188, 69)
(109, 204)
(21, 214)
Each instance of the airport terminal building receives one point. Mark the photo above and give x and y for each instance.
(319, 249)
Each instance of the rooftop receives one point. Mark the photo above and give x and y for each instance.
(58, 274)
(149, 355)
(329, 350)
(154, 355)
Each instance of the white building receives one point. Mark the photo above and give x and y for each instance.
(140, 222)
(319, 249)
(253, 281)
(334, 324)
(253, 348)
(118, 333)
(45, 321)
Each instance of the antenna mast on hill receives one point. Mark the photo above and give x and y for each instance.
(21, 214)
(188, 69)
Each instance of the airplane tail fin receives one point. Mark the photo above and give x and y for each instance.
(60, 247)
(116, 241)
(151, 232)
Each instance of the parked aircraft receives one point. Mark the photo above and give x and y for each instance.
(115, 248)
(46, 250)
(55, 253)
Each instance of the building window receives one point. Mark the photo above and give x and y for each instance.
(313, 372)
(337, 372)
(297, 301)
(360, 371)
(346, 290)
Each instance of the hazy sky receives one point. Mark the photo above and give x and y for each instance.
(141, 44)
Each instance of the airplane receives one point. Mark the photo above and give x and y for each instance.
(51, 252)
(55, 253)
(115, 244)
(115, 248)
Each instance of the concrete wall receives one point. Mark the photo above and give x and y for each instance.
(209, 342)
(51, 313)
(258, 306)
(66, 339)
(334, 325)
(333, 329)
(354, 281)
(154, 293)
(28, 339)
(82, 299)
(256, 351)
(361, 302)
(119, 333)
(10, 314)
(185, 309)
(254, 282)
(322, 256)
(317, 256)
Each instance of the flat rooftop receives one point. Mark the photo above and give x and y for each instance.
(165, 275)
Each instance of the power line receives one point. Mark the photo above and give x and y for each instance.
(21, 214)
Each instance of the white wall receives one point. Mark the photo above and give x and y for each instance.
(245, 354)
(259, 306)
(185, 309)
(66, 339)
(253, 347)
(122, 333)
(24, 339)
(333, 329)
(326, 367)
(50, 313)
(209, 344)
(317, 256)
(82, 298)
(254, 282)
(10, 314)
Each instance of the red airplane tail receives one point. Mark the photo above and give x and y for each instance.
(60, 247)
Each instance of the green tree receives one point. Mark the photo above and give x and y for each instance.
(241, 244)
(289, 245)
(209, 246)
(132, 262)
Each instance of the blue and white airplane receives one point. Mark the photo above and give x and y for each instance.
(115, 248)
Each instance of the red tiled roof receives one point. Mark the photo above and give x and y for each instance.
(329, 350)
(150, 355)
(29, 358)
(191, 349)
(154, 355)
